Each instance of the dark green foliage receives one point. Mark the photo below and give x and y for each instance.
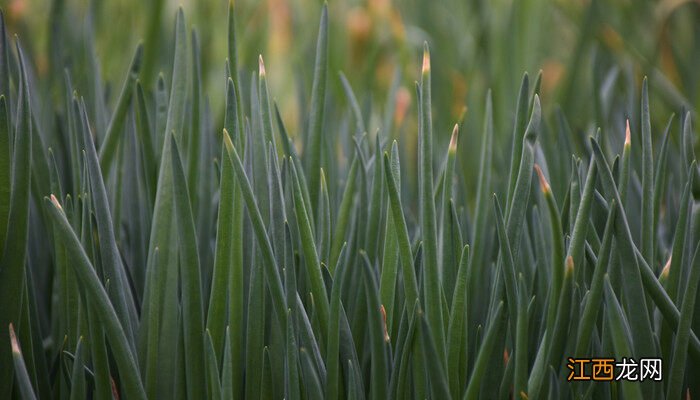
(156, 242)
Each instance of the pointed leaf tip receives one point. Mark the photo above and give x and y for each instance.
(628, 135)
(13, 340)
(453, 139)
(55, 202)
(569, 266)
(667, 268)
(227, 141)
(138, 58)
(386, 331)
(261, 66)
(426, 58)
(536, 103)
(544, 185)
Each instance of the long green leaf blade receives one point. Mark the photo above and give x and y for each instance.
(163, 232)
(313, 265)
(270, 264)
(457, 329)
(647, 222)
(621, 341)
(483, 358)
(116, 124)
(22, 377)
(391, 173)
(316, 113)
(190, 278)
(5, 168)
(85, 272)
(680, 352)
(110, 258)
(12, 263)
(431, 279)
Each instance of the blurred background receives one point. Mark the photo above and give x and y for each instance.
(581, 47)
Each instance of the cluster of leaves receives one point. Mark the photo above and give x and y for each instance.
(149, 253)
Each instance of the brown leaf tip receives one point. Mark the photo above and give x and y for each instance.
(544, 185)
(453, 139)
(569, 265)
(13, 340)
(55, 202)
(386, 331)
(628, 135)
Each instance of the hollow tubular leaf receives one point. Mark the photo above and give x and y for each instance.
(680, 351)
(316, 113)
(12, 263)
(21, 374)
(126, 362)
(483, 358)
(116, 124)
(270, 263)
(313, 265)
(190, 279)
(431, 279)
(391, 172)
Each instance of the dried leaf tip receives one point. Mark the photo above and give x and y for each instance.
(426, 59)
(261, 66)
(544, 185)
(55, 202)
(628, 135)
(227, 141)
(386, 331)
(13, 340)
(666, 269)
(453, 140)
(569, 266)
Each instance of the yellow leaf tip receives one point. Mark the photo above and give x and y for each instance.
(667, 268)
(426, 59)
(453, 139)
(227, 141)
(544, 185)
(261, 66)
